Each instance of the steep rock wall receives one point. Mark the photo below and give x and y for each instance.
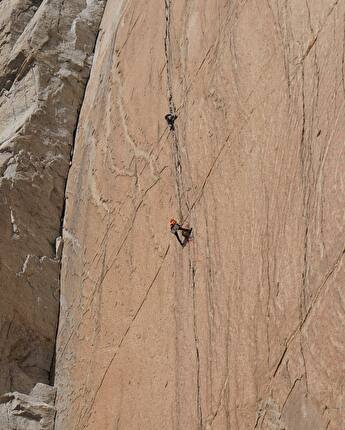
(244, 327)
(46, 52)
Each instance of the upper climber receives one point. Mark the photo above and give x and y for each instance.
(186, 232)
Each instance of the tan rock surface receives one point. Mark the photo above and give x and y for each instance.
(46, 52)
(244, 327)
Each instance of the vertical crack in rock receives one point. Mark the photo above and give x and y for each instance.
(305, 150)
(180, 191)
(343, 58)
(175, 147)
(197, 353)
(168, 54)
(62, 219)
(305, 154)
(268, 276)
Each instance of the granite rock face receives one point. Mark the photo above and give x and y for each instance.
(46, 53)
(28, 412)
(244, 327)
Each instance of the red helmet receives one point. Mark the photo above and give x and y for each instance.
(173, 222)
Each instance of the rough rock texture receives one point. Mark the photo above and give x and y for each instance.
(28, 412)
(244, 327)
(46, 52)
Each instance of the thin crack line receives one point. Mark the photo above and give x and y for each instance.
(291, 338)
(126, 333)
(104, 275)
(197, 353)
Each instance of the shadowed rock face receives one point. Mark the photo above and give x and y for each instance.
(46, 52)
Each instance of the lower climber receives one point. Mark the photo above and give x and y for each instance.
(186, 232)
(170, 119)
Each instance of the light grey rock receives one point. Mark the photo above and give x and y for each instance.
(58, 247)
(44, 393)
(28, 412)
(46, 54)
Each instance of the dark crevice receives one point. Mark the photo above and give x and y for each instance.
(343, 59)
(167, 46)
(181, 197)
(280, 360)
(63, 210)
(305, 157)
(172, 110)
(197, 353)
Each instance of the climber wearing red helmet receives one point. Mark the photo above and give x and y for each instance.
(186, 232)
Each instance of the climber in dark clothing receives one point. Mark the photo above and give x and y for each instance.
(186, 232)
(170, 119)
